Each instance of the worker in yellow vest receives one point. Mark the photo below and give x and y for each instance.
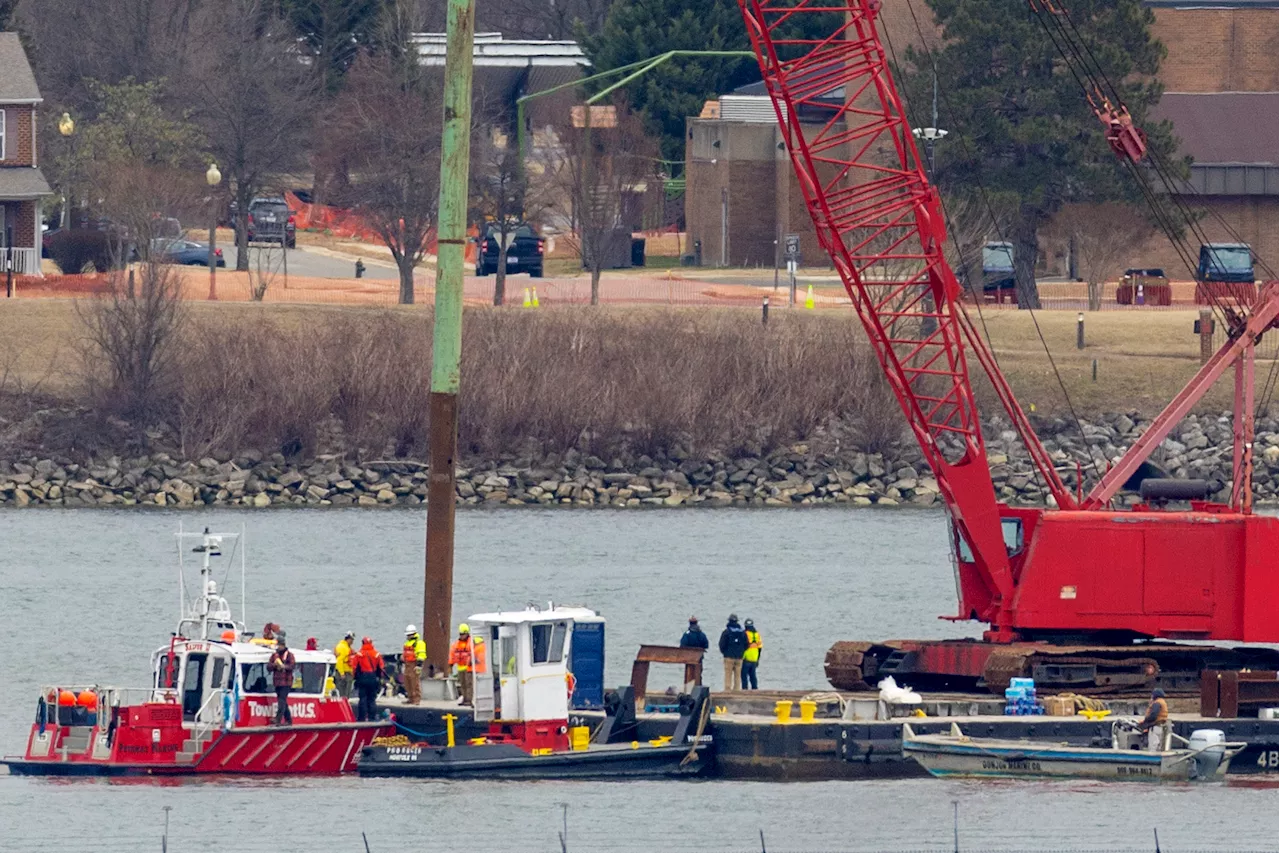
(751, 657)
(344, 674)
(414, 653)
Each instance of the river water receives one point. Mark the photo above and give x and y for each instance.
(86, 595)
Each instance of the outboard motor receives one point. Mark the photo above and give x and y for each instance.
(1210, 749)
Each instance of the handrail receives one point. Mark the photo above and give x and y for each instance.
(203, 727)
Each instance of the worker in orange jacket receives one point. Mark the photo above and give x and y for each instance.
(369, 670)
(467, 658)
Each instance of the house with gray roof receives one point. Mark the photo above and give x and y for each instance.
(22, 186)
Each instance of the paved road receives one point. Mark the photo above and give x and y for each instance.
(304, 262)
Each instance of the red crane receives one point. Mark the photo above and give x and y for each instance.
(1080, 573)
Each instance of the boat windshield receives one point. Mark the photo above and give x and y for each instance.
(307, 678)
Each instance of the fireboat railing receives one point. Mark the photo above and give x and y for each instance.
(213, 714)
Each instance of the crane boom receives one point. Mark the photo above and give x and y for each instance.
(864, 184)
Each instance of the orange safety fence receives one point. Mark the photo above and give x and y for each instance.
(346, 223)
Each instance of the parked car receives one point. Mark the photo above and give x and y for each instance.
(271, 221)
(524, 252)
(1144, 287)
(186, 252)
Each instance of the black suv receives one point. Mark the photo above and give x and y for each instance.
(524, 254)
(271, 221)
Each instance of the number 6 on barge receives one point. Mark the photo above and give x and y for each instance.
(208, 709)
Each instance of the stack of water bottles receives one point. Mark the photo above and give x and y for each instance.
(1020, 698)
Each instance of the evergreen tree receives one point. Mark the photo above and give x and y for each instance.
(640, 29)
(1018, 120)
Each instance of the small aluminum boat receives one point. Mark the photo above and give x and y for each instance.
(1205, 756)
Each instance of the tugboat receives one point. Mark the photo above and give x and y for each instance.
(522, 690)
(208, 708)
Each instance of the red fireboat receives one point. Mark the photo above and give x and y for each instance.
(209, 708)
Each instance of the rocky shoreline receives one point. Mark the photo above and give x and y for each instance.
(818, 472)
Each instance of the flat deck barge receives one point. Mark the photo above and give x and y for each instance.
(751, 743)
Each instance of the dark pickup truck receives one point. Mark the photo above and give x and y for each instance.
(524, 252)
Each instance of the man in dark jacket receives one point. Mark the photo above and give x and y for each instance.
(694, 638)
(282, 665)
(733, 645)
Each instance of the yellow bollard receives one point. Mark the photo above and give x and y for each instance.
(807, 710)
(448, 729)
(808, 298)
(528, 303)
(783, 710)
(535, 296)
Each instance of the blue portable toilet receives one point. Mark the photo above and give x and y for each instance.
(586, 658)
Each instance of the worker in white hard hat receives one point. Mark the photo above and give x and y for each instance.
(467, 657)
(415, 652)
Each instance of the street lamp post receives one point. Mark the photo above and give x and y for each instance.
(213, 177)
(930, 135)
(67, 127)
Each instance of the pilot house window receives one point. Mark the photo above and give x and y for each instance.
(548, 641)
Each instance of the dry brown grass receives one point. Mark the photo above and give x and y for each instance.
(612, 380)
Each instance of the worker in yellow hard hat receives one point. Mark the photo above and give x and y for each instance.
(413, 655)
(467, 658)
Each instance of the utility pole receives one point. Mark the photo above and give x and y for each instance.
(446, 344)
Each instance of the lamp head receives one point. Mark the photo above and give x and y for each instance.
(213, 177)
(66, 125)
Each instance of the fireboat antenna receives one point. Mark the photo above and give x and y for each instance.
(182, 584)
(243, 620)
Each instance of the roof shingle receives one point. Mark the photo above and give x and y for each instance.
(17, 83)
(23, 182)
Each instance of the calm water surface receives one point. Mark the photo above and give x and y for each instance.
(86, 595)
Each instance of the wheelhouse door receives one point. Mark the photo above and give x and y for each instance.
(220, 674)
(485, 709)
(193, 679)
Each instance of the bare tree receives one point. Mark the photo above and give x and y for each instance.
(972, 222)
(1104, 235)
(255, 100)
(78, 40)
(501, 196)
(600, 173)
(385, 126)
(133, 334)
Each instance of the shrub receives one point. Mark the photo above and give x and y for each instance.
(73, 250)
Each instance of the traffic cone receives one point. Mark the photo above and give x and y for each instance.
(535, 296)
(808, 298)
(528, 303)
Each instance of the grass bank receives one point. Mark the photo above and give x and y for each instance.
(608, 380)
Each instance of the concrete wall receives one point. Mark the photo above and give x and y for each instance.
(1219, 50)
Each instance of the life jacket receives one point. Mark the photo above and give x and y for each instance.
(414, 649)
(1162, 711)
(754, 645)
(467, 652)
(367, 661)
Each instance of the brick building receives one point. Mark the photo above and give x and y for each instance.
(22, 186)
(1221, 82)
